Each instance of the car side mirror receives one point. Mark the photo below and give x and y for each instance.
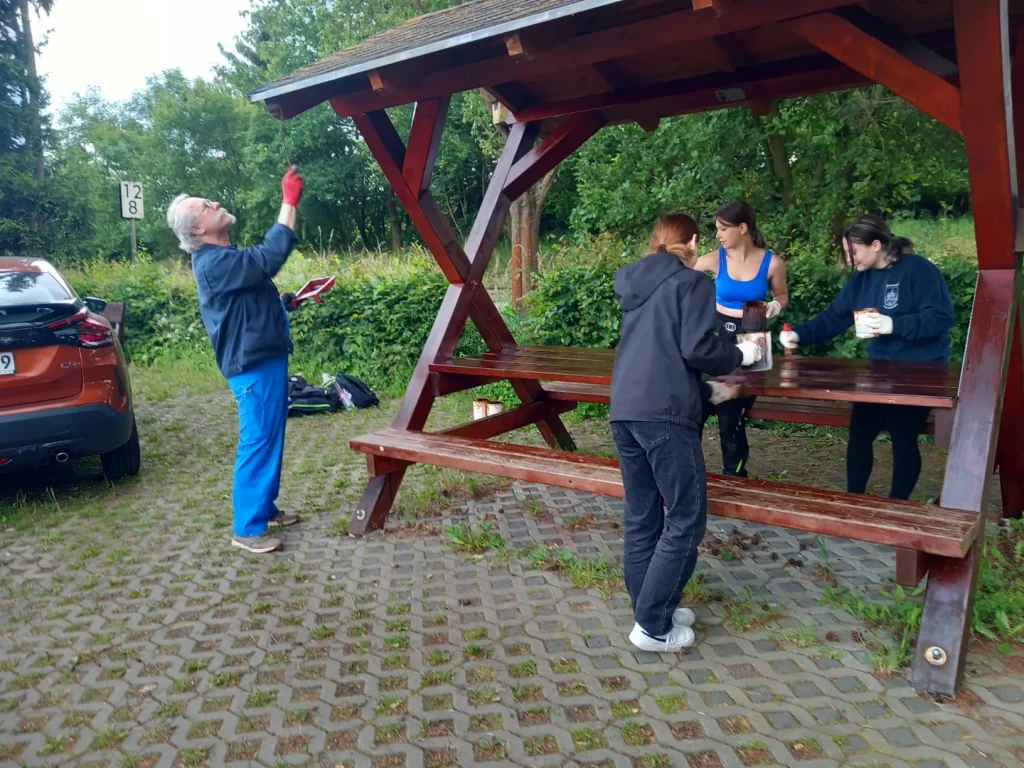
(94, 304)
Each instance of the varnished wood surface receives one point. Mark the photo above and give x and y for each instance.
(922, 527)
(810, 378)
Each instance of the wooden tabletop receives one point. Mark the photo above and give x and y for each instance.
(811, 378)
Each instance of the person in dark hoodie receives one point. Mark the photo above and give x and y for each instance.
(912, 317)
(667, 340)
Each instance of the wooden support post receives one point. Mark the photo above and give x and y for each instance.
(945, 623)
(1009, 455)
(911, 566)
(982, 45)
(408, 171)
(878, 60)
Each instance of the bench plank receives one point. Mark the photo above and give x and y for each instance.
(933, 385)
(823, 413)
(923, 527)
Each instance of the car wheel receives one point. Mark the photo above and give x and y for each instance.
(124, 461)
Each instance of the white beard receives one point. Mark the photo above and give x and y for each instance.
(232, 220)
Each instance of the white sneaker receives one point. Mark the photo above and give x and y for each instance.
(677, 639)
(683, 617)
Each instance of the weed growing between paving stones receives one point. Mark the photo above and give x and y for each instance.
(804, 637)
(472, 540)
(584, 573)
(750, 614)
(998, 604)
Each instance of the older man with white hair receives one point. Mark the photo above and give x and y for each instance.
(247, 322)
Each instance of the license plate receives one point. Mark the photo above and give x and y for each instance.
(6, 363)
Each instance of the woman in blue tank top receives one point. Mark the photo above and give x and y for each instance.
(744, 270)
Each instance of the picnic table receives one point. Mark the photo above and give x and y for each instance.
(561, 70)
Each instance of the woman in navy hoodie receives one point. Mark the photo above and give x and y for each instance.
(667, 340)
(912, 323)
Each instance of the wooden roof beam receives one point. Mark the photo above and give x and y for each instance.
(881, 62)
(766, 89)
(726, 88)
(553, 149)
(729, 52)
(716, 6)
(615, 80)
(428, 121)
(580, 51)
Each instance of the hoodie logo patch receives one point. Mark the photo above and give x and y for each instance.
(892, 296)
(730, 327)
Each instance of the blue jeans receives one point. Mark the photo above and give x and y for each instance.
(666, 515)
(261, 393)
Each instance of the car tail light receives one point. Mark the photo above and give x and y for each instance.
(82, 330)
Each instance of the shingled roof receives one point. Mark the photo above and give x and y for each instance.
(426, 34)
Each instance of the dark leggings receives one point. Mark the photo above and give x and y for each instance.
(904, 424)
(732, 415)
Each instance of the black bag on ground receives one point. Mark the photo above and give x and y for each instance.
(304, 399)
(362, 396)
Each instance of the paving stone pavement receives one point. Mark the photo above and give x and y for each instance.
(396, 650)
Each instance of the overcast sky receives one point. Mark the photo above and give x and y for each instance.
(117, 44)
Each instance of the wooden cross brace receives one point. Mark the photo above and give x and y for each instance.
(409, 170)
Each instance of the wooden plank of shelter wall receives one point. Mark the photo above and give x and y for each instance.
(859, 50)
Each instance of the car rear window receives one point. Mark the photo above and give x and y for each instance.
(19, 288)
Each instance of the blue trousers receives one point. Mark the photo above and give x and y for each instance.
(666, 515)
(261, 393)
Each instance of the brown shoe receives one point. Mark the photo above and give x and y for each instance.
(283, 520)
(256, 544)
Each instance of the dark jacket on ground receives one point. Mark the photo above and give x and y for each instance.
(240, 305)
(911, 291)
(667, 339)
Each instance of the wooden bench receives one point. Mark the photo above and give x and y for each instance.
(921, 527)
(822, 413)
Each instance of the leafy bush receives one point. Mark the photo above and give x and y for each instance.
(161, 312)
(574, 303)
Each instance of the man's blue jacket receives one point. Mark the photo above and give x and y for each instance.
(240, 305)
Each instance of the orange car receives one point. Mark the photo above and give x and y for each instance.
(64, 388)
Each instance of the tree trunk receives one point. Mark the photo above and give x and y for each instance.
(29, 51)
(515, 226)
(779, 156)
(396, 223)
(525, 234)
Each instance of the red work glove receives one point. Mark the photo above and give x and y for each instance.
(291, 186)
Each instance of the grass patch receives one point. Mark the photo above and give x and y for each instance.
(582, 572)
(750, 614)
(804, 637)
(675, 702)
(474, 540)
(998, 604)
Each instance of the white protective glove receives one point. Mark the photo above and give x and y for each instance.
(789, 339)
(751, 352)
(721, 392)
(879, 323)
(773, 309)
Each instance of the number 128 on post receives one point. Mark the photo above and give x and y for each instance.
(131, 200)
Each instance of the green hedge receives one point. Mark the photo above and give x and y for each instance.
(374, 322)
(574, 305)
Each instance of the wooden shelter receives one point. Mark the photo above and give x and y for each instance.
(563, 69)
